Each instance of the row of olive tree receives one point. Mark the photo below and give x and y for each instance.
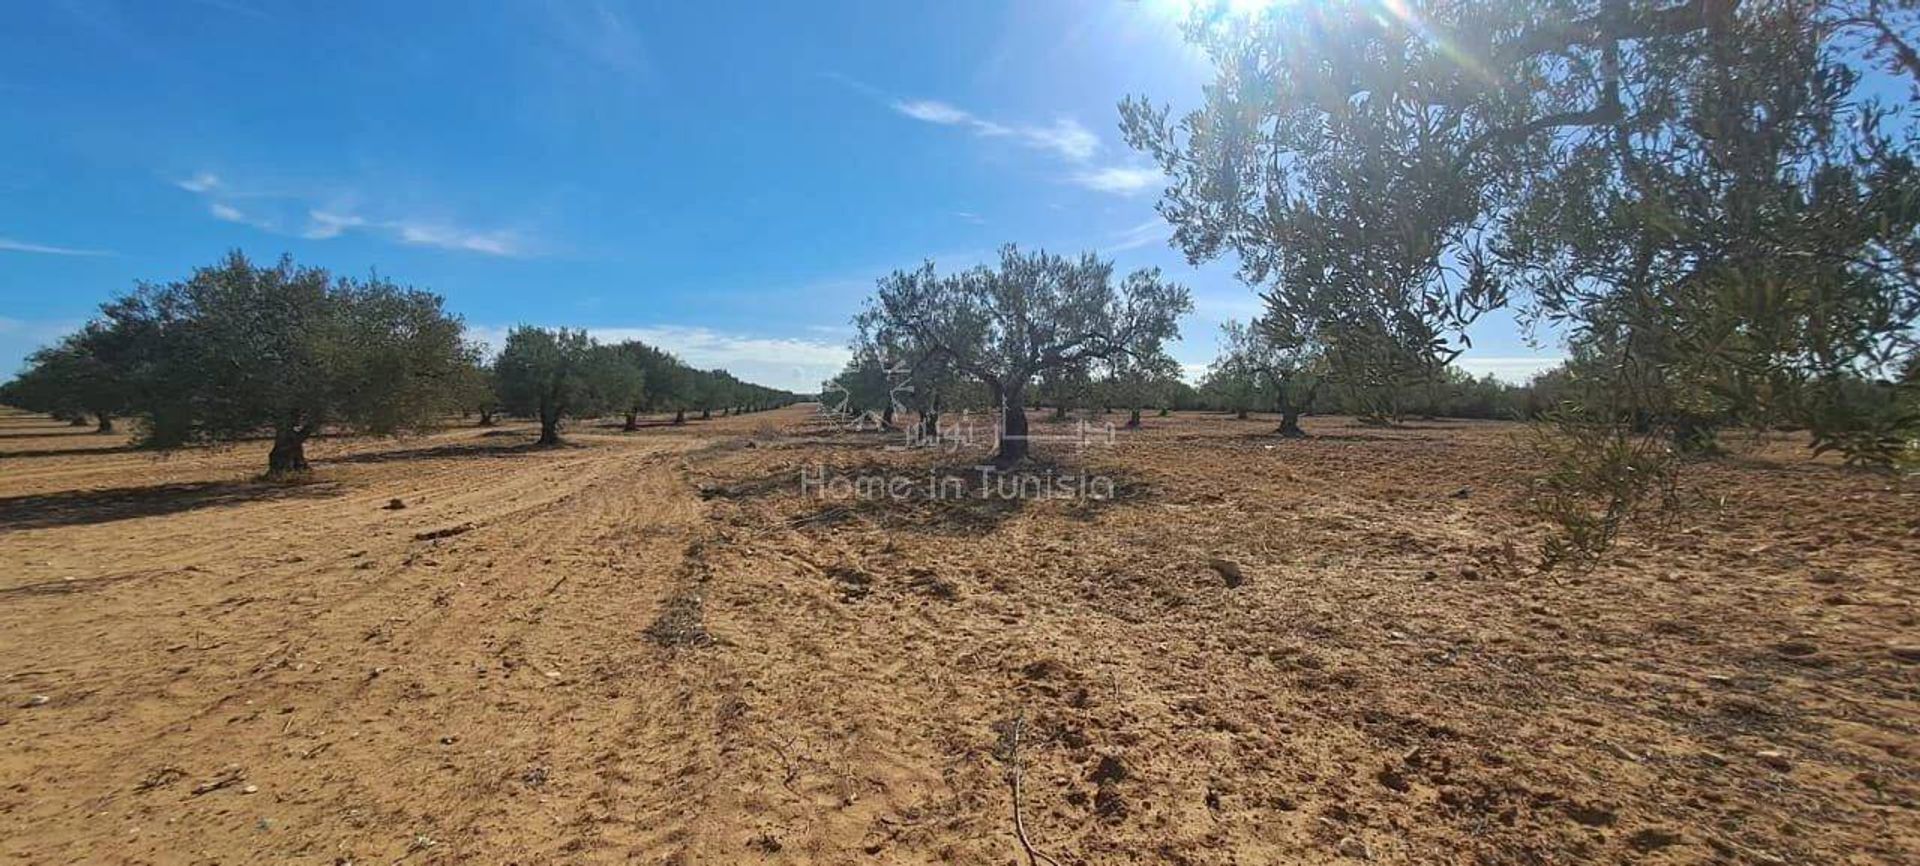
(552, 374)
(241, 349)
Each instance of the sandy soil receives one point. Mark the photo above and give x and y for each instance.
(657, 647)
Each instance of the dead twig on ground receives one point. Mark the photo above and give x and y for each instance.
(786, 764)
(227, 777)
(1014, 773)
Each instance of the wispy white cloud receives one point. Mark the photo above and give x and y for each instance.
(1064, 137)
(15, 246)
(599, 33)
(1118, 179)
(228, 213)
(971, 217)
(322, 225)
(1148, 233)
(201, 182)
(791, 363)
(935, 111)
(451, 237)
(286, 213)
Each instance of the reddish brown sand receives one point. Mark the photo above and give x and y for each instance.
(653, 647)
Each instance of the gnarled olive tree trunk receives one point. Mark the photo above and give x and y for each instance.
(549, 423)
(1290, 411)
(1012, 447)
(289, 454)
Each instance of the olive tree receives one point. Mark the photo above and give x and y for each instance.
(664, 381)
(864, 387)
(238, 348)
(1063, 389)
(1036, 312)
(474, 390)
(673, 386)
(619, 379)
(911, 372)
(1134, 380)
(1310, 160)
(72, 379)
(714, 388)
(1709, 191)
(45, 386)
(1266, 360)
(549, 374)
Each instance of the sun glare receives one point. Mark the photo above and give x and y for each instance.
(1180, 10)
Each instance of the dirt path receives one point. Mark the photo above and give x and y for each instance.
(353, 687)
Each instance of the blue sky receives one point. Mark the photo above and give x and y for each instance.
(724, 179)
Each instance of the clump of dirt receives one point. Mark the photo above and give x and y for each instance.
(1109, 804)
(854, 584)
(931, 584)
(680, 623)
(1229, 571)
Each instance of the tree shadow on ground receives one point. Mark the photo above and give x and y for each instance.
(1272, 435)
(456, 450)
(50, 432)
(83, 507)
(1369, 437)
(69, 452)
(1424, 424)
(800, 443)
(621, 426)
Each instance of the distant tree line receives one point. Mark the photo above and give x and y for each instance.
(240, 350)
(554, 374)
